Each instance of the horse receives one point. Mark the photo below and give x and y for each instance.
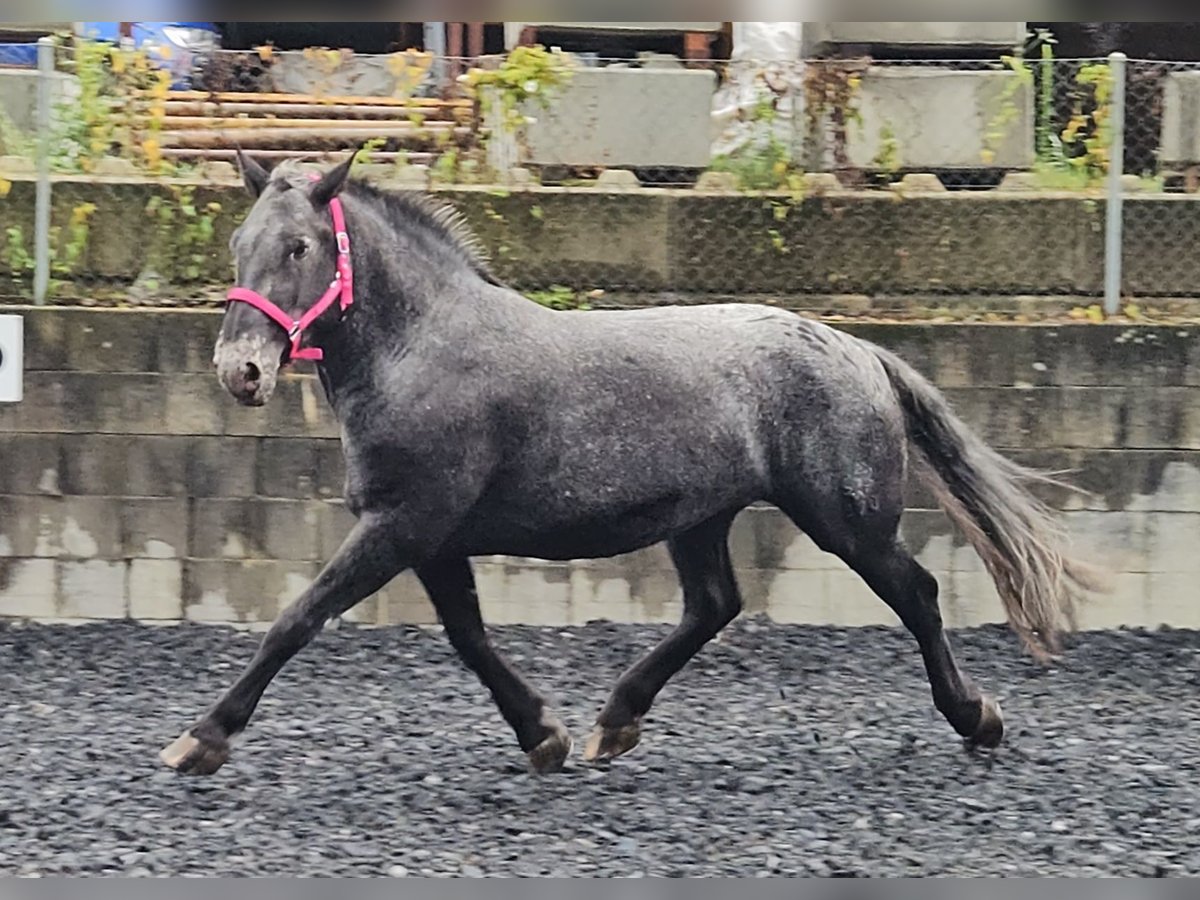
(476, 422)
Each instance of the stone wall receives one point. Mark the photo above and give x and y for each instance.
(132, 485)
(690, 244)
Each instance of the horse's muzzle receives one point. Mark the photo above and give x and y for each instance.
(249, 368)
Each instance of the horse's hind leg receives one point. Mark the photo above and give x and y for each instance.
(710, 602)
(912, 592)
(451, 588)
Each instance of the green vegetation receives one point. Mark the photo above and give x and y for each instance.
(559, 296)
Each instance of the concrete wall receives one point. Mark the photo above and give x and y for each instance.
(131, 485)
(1180, 119)
(939, 118)
(18, 94)
(693, 243)
(587, 121)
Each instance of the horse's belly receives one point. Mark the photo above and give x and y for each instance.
(562, 546)
(584, 531)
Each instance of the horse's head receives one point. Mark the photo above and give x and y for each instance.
(286, 254)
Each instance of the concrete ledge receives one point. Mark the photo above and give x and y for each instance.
(693, 243)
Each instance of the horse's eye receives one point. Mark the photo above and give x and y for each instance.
(299, 251)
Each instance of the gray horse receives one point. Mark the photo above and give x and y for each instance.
(476, 422)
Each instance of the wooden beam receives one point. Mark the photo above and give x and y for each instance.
(454, 48)
(474, 40)
(303, 99)
(697, 45)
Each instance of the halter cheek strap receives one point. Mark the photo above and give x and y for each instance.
(341, 288)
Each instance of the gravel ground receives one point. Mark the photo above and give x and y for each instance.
(780, 750)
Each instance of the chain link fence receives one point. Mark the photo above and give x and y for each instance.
(934, 187)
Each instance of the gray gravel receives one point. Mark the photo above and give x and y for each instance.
(781, 750)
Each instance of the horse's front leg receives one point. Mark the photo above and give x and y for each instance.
(451, 587)
(368, 559)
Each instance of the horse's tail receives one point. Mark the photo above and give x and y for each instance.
(1018, 537)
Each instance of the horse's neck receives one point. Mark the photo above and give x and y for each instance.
(380, 326)
(361, 355)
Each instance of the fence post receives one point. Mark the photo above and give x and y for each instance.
(435, 43)
(1113, 243)
(41, 220)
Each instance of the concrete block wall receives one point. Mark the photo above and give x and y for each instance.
(937, 118)
(132, 486)
(694, 245)
(586, 124)
(1180, 131)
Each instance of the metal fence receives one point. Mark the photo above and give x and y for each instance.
(950, 186)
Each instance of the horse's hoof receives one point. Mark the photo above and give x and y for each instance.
(609, 743)
(990, 730)
(550, 754)
(192, 756)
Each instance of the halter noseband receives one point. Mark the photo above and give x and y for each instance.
(341, 287)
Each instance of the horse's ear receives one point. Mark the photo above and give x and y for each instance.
(331, 183)
(254, 175)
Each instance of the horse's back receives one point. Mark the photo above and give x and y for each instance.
(731, 354)
(810, 402)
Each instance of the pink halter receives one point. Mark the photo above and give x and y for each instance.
(342, 286)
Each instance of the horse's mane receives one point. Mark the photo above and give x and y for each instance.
(404, 208)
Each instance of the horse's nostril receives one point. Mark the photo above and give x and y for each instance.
(252, 374)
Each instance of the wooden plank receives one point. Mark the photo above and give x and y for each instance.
(208, 123)
(315, 138)
(332, 99)
(415, 157)
(178, 108)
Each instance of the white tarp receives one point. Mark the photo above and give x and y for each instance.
(761, 50)
(767, 40)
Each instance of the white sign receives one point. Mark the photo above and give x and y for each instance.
(12, 364)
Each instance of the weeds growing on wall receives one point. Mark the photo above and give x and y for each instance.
(1077, 155)
(1087, 137)
(68, 249)
(17, 255)
(765, 163)
(71, 244)
(191, 229)
(559, 296)
(528, 75)
(831, 90)
(118, 112)
(507, 95)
